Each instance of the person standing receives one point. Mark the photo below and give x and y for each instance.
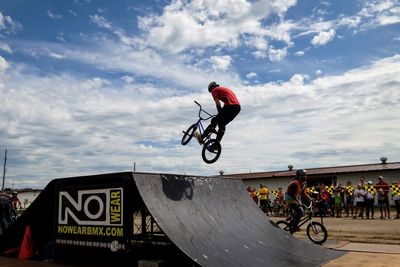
(253, 194)
(396, 200)
(280, 198)
(359, 197)
(349, 198)
(370, 201)
(338, 204)
(263, 198)
(381, 184)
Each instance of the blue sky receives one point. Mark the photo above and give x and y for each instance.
(91, 87)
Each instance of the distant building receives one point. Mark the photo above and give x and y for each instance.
(275, 179)
(27, 196)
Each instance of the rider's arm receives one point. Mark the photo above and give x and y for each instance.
(217, 104)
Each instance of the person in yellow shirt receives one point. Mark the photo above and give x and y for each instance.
(263, 197)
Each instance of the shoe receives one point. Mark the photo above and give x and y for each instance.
(197, 135)
(213, 147)
(298, 229)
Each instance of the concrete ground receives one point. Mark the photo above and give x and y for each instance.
(369, 243)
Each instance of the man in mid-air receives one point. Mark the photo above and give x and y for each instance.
(225, 114)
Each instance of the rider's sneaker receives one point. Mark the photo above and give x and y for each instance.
(214, 147)
(197, 135)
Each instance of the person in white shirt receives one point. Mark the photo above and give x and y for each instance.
(359, 197)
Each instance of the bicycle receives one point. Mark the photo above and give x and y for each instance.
(211, 146)
(316, 231)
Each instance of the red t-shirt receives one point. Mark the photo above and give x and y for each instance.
(225, 95)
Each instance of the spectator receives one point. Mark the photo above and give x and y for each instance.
(263, 198)
(370, 201)
(349, 198)
(339, 189)
(359, 197)
(253, 194)
(5, 210)
(396, 200)
(338, 204)
(381, 184)
(362, 181)
(323, 201)
(382, 203)
(280, 198)
(15, 204)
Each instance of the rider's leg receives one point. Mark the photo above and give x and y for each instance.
(209, 128)
(221, 132)
(298, 213)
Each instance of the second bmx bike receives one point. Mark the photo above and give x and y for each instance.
(211, 146)
(316, 231)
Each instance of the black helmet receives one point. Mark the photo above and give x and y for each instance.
(300, 173)
(212, 85)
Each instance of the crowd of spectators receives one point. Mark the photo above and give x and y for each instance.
(365, 200)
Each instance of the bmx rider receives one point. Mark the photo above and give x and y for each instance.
(225, 114)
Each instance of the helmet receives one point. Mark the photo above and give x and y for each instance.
(300, 173)
(212, 85)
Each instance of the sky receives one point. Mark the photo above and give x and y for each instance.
(90, 87)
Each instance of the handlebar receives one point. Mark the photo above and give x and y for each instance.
(201, 109)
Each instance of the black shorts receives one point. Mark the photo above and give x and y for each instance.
(226, 115)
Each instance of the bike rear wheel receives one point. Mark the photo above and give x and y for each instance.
(211, 151)
(187, 136)
(317, 233)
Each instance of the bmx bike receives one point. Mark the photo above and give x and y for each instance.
(211, 146)
(316, 231)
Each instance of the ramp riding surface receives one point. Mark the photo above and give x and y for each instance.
(216, 223)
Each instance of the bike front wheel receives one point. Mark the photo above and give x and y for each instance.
(317, 233)
(211, 151)
(187, 136)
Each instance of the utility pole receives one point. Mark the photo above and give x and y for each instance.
(4, 170)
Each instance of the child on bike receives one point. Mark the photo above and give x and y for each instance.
(225, 114)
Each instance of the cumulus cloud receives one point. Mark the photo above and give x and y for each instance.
(251, 75)
(200, 24)
(221, 62)
(81, 124)
(323, 37)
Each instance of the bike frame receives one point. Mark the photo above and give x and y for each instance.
(307, 218)
(199, 123)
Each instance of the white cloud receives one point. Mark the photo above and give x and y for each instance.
(221, 62)
(85, 126)
(323, 37)
(53, 16)
(299, 53)
(251, 75)
(276, 54)
(3, 64)
(5, 47)
(200, 24)
(8, 25)
(318, 72)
